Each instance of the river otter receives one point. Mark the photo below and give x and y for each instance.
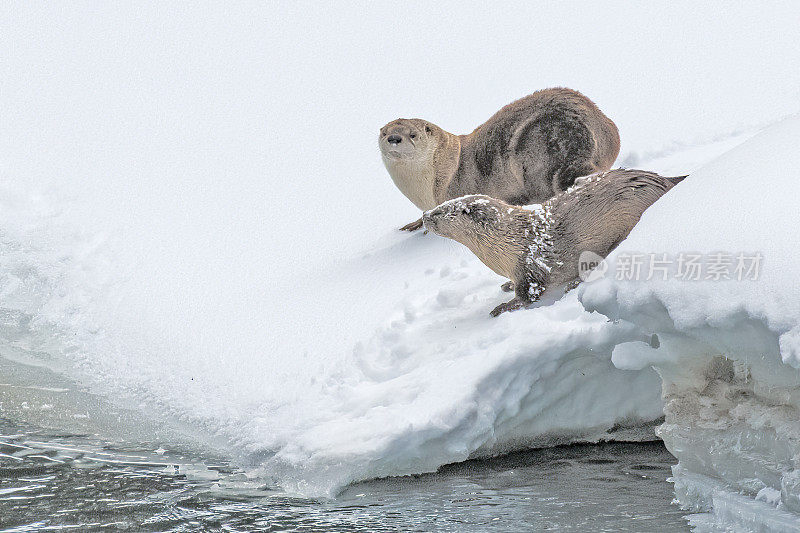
(527, 152)
(538, 247)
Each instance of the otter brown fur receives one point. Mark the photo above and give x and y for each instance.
(539, 247)
(527, 152)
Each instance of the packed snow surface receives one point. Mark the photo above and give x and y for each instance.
(195, 225)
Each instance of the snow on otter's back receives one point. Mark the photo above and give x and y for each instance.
(730, 348)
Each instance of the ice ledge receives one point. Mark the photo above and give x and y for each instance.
(732, 411)
(720, 509)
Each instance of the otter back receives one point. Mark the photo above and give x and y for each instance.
(527, 152)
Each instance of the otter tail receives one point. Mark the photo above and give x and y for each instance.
(677, 179)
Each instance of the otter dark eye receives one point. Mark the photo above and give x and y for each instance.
(413, 135)
(427, 129)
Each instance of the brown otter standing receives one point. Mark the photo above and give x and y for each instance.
(539, 247)
(527, 152)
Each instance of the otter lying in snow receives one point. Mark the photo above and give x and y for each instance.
(538, 247)
(527, 152)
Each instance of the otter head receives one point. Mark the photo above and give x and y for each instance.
(487, 226)
(409, 147)
(466, 219)
(408, 138)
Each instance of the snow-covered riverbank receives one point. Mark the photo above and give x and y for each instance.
(195, 226)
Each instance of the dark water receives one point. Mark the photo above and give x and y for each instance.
(69, 482)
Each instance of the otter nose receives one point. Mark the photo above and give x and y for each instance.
(394, 139)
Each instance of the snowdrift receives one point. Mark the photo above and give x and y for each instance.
(442, 382)
(729, 355)
(432, 380)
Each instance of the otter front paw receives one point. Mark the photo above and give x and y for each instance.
(511, 305)
(413, 226)
(508, 286)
